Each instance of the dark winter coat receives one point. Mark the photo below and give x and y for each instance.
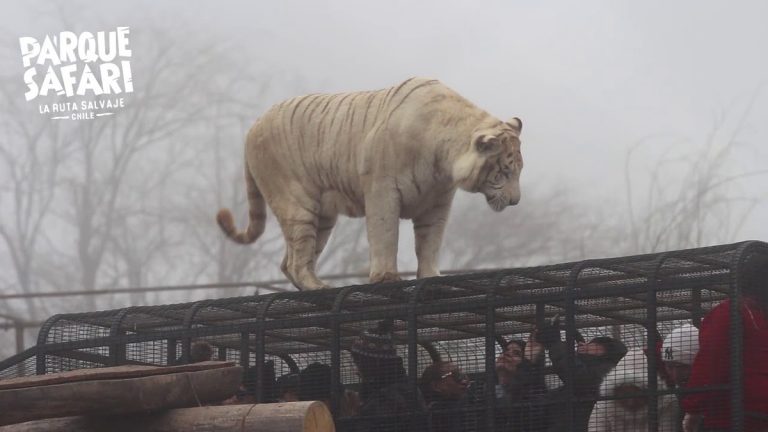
(588, 372)
(447, 415)
(396, 407)
(522, 403)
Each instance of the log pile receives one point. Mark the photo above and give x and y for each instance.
(277, 417)
(147, 398)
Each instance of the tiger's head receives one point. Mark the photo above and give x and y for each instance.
(493, 163)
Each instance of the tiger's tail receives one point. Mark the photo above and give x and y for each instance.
(257, 215)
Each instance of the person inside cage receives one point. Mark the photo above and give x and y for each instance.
(445, 387)
(246, 394)
(315, 384)
(628, 383)
(199, 351)
(388, 402)
(591, 363)
(678, 352)
(288, 387)
(710, 409)
(521, 391)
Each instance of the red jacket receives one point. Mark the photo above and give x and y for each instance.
(711, 367)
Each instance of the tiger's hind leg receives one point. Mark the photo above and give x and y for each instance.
(324, 228)
(299, 223)
(284, 268)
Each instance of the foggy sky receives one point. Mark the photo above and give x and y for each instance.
(589, 79)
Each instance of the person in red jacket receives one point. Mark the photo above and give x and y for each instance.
(711, 410)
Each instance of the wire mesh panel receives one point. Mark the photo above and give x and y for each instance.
(451, 371)
(380, 393)
(605, 344)
(74, 327)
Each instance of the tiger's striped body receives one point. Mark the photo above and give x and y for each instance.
(394, 153)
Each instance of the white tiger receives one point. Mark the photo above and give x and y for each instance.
(394, 153)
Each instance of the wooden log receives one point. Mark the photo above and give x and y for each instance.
(114, 372)
(277, 417)
(119, 396)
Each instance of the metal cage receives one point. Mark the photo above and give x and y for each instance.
(464, 319)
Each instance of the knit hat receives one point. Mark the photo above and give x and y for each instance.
(681, 345)
(200, 351)
(376, 342)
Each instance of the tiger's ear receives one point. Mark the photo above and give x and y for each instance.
(516, 124)
(487, 145)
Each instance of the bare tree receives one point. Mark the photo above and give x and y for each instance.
(31, 154)
(219, 184)
(693, 199)
(547, 226)
(122, 195)
(107, 192)
(139, 240)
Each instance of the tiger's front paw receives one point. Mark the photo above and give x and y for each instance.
(384, 277)
(427, 272)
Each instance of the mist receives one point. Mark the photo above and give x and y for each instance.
(643, 131)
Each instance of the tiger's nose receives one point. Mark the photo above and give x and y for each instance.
(514, 201)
